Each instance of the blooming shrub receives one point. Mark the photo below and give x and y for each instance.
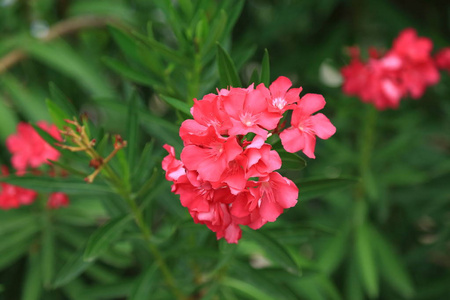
(226, 175)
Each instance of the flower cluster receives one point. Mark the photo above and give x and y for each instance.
(29, 150)
(405, 70)
(227, 173)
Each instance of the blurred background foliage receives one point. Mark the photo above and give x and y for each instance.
(387, 236)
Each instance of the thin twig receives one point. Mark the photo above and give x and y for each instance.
(60, 29)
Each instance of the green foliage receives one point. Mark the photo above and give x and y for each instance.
(372, 217)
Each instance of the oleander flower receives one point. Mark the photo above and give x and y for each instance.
(226, 175)
(28, 149)
(442, 59)
(383, 80)
(57, 200)
(12, 196)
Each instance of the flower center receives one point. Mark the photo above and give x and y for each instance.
(247, 119)
(279, 102)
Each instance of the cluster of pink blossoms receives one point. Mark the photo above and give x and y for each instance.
(226, 175)
(29, 150)
(405, 70)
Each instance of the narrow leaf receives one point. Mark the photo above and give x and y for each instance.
(70, 186)
(318, 187)
(273, 248)
(177, 104)
(145, 285)
(62, 100)
(102, 238)
(132, 129)
(227, 70)
(71, 269)
(366, 261)
(265, 69)
(32, 286)
(291, 161)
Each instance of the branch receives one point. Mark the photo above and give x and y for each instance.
(60, 29)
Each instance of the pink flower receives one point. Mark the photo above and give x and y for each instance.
(57, 200)
(248, 113)
(174, 168)
(28, 149)
(305, 127)
(442, 59)
(210, 157)
(226, 173)
(12, 196)
(406, 69)
(278, 96)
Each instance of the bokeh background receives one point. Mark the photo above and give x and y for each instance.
(401, 247)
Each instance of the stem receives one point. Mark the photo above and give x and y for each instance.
(146, 232)
(366, 146)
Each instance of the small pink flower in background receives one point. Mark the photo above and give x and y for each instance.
(226, 173)
(442, 59)
(28, 149)
(405, 70)
(12, 196)
(57, 200)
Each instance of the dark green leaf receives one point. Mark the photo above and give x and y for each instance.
(70, 186)
(291, 161)
(71, 269)
(62, 101)
(245, 289)
(132, 129)
(177, 104)
(265, 69)
(277, 252)
(101, 239)
(391, 267)
(227, 70)
(129, 73)
(309, 189)
(366, 260)
(57, 114)
(32, 286)
(145, 285)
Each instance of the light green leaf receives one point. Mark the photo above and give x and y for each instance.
(71, 269)
(62, 101)
(245, 289)
(58, 115)
(103, 237)
(8, 121)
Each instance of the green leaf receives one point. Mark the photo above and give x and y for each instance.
(366, 260)
(8, 121)
(28, 103)
(57, 114)
(335, 250)
(227, 70)
(277, 252)
(391, 267)
(318, 187)
(145, 285)
(68, 61)
(62, 101)
(103, 237)
(7, 258)
(353, 288)
(254, 78)
(48, 254)
(32, 286)
(21, 236)
(245, 289)
(291, 161)
(265, 69)
(125, 42)
(129, 73)
(177, 104)
(45, 184)
(132, 129)
(71, 269)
